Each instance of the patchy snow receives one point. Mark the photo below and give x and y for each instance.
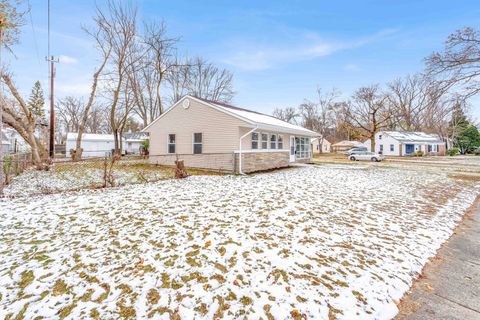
(336, 241)
(71, 176)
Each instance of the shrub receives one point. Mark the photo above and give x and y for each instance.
(453, 151)
(419, 154)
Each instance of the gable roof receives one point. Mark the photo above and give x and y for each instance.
(414, 136)
(252, 118)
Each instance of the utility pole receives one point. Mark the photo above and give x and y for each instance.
(51, 149)
(52, 61)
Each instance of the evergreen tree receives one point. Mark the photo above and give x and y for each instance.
(468, 139)
(36, 103)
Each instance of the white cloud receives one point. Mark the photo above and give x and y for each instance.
(67, 59)
(305, 46)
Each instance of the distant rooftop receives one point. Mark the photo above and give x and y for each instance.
(414, 136)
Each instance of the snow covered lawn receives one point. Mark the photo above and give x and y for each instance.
(87, 174)
(330, 241)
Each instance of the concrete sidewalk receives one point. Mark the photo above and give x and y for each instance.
(449, 287)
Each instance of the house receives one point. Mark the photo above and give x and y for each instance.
(12, 142)
(320, 145)
(345, 145)
(213, 135)
(404, 143)
(98, 145)
(93, 144)
(133, 142)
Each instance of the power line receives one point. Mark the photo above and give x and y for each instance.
(34, 33)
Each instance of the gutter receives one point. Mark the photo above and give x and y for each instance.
(240, 149)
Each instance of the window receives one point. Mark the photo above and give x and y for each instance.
(381, 148)
(433, 148)
(254, 140)
(197, 143)
(302, 146)
(273, 141)
(379, 137)
(280, 142)
(392, 147)
(264, 140)
(171, 143)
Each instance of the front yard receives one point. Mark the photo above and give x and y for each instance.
(329, 241)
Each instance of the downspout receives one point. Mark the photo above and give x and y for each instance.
(240, 150)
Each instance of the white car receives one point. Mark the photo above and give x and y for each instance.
(366, 155)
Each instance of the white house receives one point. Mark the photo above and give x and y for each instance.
(93, 145)
(133, 142)
(404, 143)
(97, 145)
(320, 145)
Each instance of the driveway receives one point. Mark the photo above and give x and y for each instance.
(449, 287)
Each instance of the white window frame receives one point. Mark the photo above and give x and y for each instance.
(279, 136)
(194, 143)
(273, 142)
(262, 141)
(255, 140)
(392, 148)
(174, 144)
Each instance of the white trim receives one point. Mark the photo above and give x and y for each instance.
(168, 143)
(193, 142)
(260, 151)
(240, 151)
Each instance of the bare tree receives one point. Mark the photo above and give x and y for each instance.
(70, 112)
(288, 114)
(18, 115)
(118, 27)
(459, 63)
(369, 111)
(104, 46)
(408, 98)
(179, 79)
(209, 81)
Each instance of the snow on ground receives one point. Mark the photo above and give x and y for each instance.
(330, 241)
(83, 175)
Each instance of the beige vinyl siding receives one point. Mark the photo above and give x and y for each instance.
(220, 131)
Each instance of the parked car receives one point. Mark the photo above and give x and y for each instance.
(366, 155)
(477, 151)
(355, 150)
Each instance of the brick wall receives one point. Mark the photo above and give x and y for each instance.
(258, 161)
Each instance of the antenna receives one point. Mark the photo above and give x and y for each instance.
(51, 72)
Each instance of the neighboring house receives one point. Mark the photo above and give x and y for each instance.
(321, 146)
(98, 145)
(133, 142)
(404, 143)
(212, 135)
(345, 145)
(12, 142)
(93, 144)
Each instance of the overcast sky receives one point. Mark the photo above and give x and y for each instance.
(279, 51)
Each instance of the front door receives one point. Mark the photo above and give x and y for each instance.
(409, 148)
(292, 149)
